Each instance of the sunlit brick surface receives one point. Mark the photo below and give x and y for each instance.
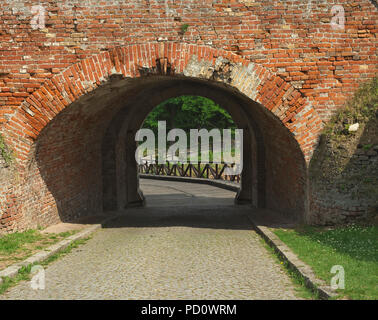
(283, 55)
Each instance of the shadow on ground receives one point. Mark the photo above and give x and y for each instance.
(195, 217)
(170, 204)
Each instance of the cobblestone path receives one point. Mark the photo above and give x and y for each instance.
(190, 242)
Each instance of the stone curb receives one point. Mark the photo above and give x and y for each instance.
(232, 186)
(41, 256)
(294, 263)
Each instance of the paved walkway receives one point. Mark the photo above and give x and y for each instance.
(190, 242)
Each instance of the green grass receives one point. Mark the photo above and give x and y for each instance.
(23, 275)
(24, 272)
(354, 247)
(12, 242)
(20, 245)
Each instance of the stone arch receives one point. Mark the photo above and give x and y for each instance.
(128, 71)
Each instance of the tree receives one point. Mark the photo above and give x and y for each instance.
(189, 112)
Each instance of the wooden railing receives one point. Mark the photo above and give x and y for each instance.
(207, 171)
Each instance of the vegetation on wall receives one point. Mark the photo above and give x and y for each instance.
(362, 108)
(5, 152)
(346, 161)
(184, 28)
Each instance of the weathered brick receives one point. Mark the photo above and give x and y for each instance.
(55, 68)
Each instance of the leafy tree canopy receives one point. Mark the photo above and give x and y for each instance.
(189, 112)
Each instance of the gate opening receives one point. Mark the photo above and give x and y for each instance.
(84, 160)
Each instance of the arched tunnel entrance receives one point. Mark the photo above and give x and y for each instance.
(198, 142)
(84, 159)
(134, 114)
(74, 137)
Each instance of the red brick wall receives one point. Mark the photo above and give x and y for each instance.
(303, 70)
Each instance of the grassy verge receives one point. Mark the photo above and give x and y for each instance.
(21, 245)
(353, 247)
(24, 274)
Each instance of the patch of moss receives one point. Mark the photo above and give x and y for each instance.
(5, 152)
(361, 108)
(184, 28)
(340, 164)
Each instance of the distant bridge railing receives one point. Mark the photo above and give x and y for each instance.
(205, 171)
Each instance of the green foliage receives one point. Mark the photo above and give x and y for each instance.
(184, 28)
(5, 153)
(20, 245)
(12, 242)
(23, 275)
(334, 163)
(367, 146)
(353, 247)
(361, 108)
(189, 112)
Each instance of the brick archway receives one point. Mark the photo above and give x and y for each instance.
(254, 81)
(135, 67)
(122, 130)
